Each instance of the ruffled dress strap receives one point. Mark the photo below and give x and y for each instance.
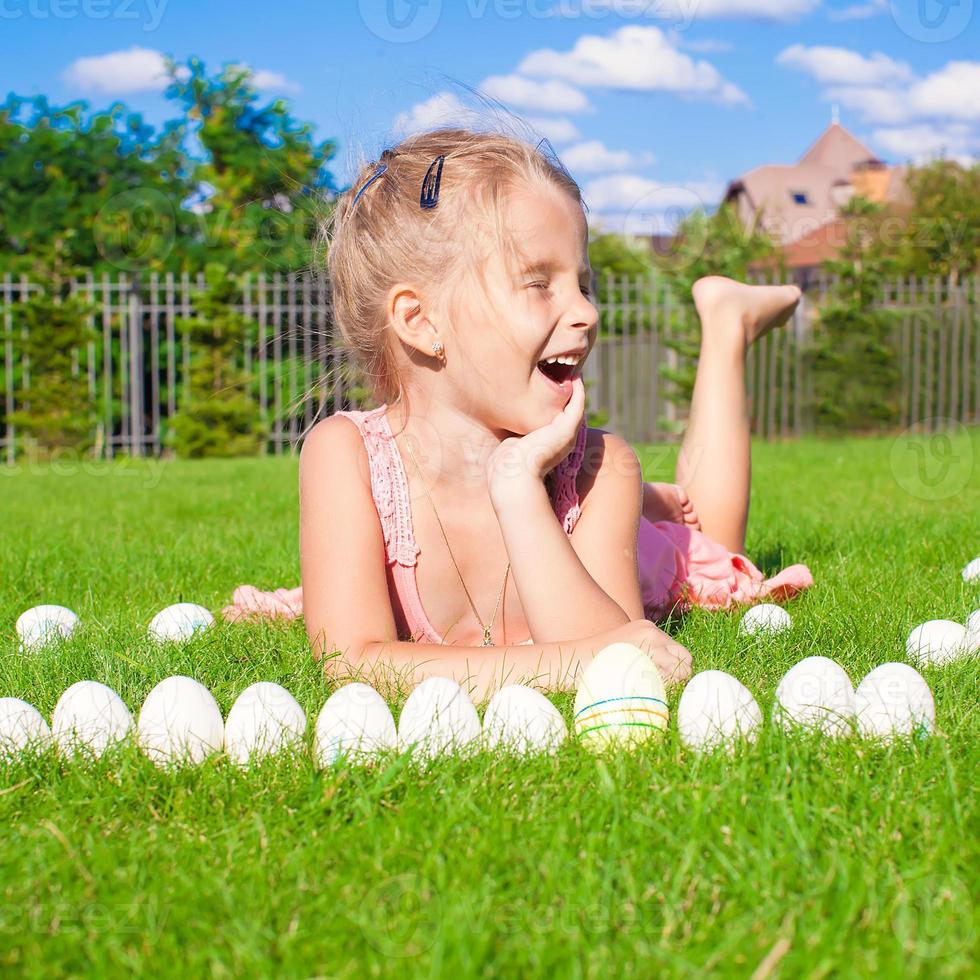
(389, 485)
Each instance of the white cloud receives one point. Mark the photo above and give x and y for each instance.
(881, 105)
(265, 80)
(921, 142)
(143, 70)
(624, 192)
(843, 67)
(953, 91)
(633, 205)
(526, 93)
(442, 109)
(119, 72)
(633, 58)
(768, 9)
(594, 157)
(558, 130)
(446, 109)
(887, 94)
(685, 11)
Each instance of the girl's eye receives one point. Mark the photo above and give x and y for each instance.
(543, 285)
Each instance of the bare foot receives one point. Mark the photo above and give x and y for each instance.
(669, 502)
(758, 309)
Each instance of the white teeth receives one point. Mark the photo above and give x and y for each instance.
(563, 359)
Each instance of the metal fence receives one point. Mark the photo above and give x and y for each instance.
(137, 364)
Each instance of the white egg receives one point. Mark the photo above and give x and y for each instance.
(765, 618)
(89, 716)
(264, 719)
(894, 700)
(180, 721)
(179, 622)
(46, 624)
(620, 699)
(971, 571)
(715, 708)
(816, 694)
(971, 643)
(936, 642)
(523, 720)
(354, 722)
(21, 726)
(438, 718)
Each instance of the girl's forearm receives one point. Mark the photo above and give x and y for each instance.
(393, 666)
(559, 597)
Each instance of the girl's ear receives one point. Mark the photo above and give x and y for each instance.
(405, 307)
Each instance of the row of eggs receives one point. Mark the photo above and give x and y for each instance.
(620, 701)
(181, 722)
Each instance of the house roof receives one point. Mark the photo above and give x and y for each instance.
(836, 165)
(836, 147)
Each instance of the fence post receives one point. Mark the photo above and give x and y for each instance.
(135, 369)
(8, 321)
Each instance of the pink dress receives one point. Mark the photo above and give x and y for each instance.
(679, 566)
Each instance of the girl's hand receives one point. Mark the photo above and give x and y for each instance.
(522, 459)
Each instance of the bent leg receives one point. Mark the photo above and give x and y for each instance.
(714, 464)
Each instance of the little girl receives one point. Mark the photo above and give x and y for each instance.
(472, 525)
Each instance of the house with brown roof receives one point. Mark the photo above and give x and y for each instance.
(797, 204)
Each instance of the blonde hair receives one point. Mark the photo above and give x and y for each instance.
(386, 236)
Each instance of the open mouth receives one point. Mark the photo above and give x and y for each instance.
(560, 371)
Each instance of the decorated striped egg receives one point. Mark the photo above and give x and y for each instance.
(621, 698)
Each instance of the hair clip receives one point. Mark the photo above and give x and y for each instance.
(429, 197)
(377, 173)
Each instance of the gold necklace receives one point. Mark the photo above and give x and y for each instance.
(487, 640)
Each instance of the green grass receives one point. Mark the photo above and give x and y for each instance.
(794, 857)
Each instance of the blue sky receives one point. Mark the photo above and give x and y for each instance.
(653, 104)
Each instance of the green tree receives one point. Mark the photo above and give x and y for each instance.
(219, 415)
(942, 229)
(851, 357)
(262, 176)
(102, 191)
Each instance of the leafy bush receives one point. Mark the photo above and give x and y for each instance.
(851, 357)
(219, 415)
(55, 416)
